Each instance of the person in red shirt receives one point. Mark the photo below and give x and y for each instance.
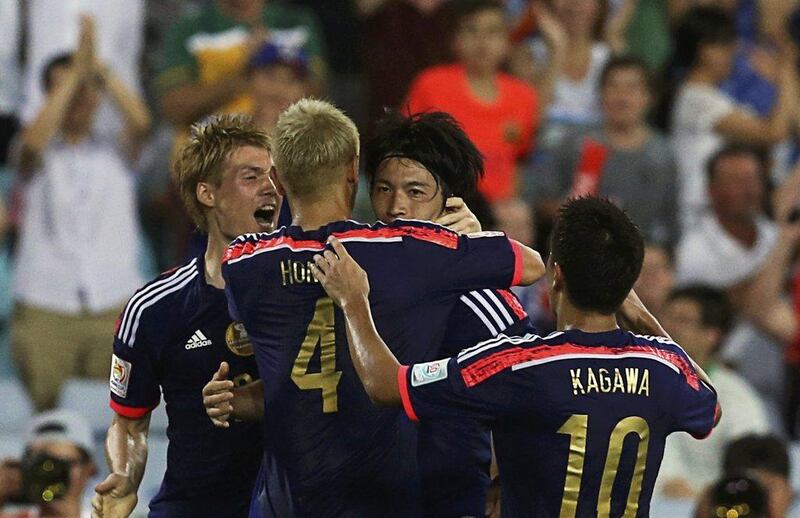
(498, 112)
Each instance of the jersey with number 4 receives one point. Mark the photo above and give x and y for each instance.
(579, 420)
(343, 455)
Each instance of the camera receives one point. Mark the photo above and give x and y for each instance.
(44, 478)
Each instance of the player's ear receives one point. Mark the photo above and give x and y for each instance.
(205, 194)
(558, 278)
(273, 175)
(352, 171)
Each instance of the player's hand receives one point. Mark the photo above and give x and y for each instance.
(343, 279)
(218, 397)
(10, 480)
(115, 497)
(458, 218)
(493, 499)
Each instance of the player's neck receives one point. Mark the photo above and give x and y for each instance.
(569, 317)
(213, 259)
(313, 215)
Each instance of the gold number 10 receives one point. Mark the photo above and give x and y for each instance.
(576, 427)
(320, 334)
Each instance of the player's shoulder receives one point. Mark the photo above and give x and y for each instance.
(254, 244)
(156, 301)
(405, 230)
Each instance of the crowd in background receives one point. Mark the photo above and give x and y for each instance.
(683, 112)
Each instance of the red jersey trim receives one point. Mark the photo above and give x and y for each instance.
(513, 303)
(405, 397)
(717, 411)
(438, 236)
(495, 363)
(515, 247)
(131, 412)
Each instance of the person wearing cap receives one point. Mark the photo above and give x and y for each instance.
(279, 76)
(57, 435)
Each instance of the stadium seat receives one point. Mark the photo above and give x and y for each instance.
(11, 445)
(90, 399)
(154, 472)
(794, 465)
(14, 416)
(670, 508)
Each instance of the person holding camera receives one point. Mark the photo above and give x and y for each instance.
(50, 479)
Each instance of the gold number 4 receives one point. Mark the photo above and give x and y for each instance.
(576, 427)
(320, 334)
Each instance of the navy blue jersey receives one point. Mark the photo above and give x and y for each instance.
(344, 456)
(455, 453)
(579, 420)
(171, 338)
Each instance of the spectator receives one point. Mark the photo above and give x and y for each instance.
(703, 116)
(9, 74)
(205, 58)
(656, 278)
(278, 77)
(498, 112)
(735, 496)
(623, 159)
(77, 258)
(766, 459)
(698, 317)
(57, 465)
(726, 249)
(53, 28)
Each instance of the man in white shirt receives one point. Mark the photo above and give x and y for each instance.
(77, 258)
(726, 249)
(698, 317)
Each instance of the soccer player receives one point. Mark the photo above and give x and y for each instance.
(344, 457)
(579, 417)
(421, 167)
(175, 331)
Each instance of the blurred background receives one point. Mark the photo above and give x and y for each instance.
(683, 112)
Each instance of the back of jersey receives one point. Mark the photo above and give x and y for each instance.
(579, 420)
(343, 455)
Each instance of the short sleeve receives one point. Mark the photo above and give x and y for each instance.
(696, 409)
(134, 384)
(701, 108)
(482, 260)
(436, 389)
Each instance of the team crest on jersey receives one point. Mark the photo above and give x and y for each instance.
(120, 375)
(237, 340)
(424, 373)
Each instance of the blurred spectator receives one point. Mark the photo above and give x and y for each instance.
(698, 317)
(703, 116)
(278, 77)
(766, 459)
(726, 249)
(9, 75)
(735, 497)
(498, 112)
(53, 28)
(419, 28)
(205, 55)
(77, 260)
(54, 472)
(623, 159)
(656, 279)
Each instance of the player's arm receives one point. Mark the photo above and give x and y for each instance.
(223, 401)
(126, 453)
(533, 268)
(347, 284)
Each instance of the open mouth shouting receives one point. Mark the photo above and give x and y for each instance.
(265, 216)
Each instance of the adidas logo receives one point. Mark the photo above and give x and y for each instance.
(198, 339)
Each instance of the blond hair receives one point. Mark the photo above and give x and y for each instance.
(313, 141)
(203, 157)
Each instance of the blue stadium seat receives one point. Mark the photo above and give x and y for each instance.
(90, 399)
(11, 445)
(671, 508)
(794, 465)
(16, 411)
(154, 472)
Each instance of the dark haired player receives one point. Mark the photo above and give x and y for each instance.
(344, 457)
(579, 417)
(176, 330)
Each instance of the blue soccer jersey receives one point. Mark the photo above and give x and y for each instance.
(344, 456)
(579, 420)
(171, 338)
(455, 453)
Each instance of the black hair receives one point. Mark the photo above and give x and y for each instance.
(703, 25)
(435, 140)
(624, 62)
(715, 310)
(463, 9)
(731, 150)
(600, 252)
(766, 452)
(59, 60)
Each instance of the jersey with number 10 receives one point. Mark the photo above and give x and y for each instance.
(344, 456)
(579, 420)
